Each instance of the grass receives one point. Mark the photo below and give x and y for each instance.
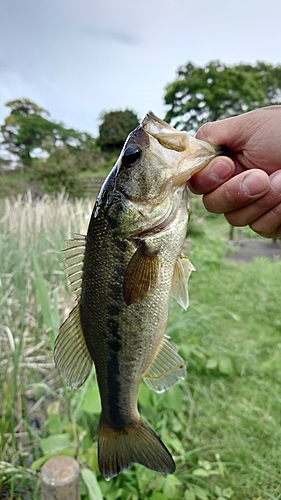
(222, 423)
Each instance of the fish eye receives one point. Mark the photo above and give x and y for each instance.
(131, 154)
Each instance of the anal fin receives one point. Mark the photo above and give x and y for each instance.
(166, 368)
(71, 354)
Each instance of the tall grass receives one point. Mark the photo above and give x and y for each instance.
(222, 423)
(33, 299)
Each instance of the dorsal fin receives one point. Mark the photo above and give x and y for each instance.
(166, 368)
(182, 271)
(74, 260)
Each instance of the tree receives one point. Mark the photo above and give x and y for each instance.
(115, 127)
(216, 91)
(59, 171)
(26, 130)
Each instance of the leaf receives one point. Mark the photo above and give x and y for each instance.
(91, 458)
(169, 490)
(55, 424)
(170, 486)
(189, 495)
(225, 365)
(201, 493)
(92, 485)
(228, 492)
(200, 472)
(211, 364)
(55, 443)
(92, 403)
(175, 443)
(157, 495)
(53, 408)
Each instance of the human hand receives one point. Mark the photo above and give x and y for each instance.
(246, 185)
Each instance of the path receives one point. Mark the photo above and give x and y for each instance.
(247, 249)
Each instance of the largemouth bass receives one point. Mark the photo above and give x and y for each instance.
(123, 273)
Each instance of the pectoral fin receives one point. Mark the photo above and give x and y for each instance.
(141, 275)
(71, 354)
(182, 271)
(166, 369)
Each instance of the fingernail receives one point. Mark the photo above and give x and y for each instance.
(222, 170)
(255, 183)
(275, 183)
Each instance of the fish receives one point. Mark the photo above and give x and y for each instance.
(123, 273)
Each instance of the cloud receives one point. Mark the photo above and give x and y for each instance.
(116, 35)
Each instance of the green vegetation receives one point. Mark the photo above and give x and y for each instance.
(216, 91)
(51, 157)
(26, 130)
(222, 423)
(114, 129)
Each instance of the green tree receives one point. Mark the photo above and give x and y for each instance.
(27, 129)
(216, 91)
(115, 127)
(59, 171)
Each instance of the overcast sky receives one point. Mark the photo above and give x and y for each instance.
(77, 58)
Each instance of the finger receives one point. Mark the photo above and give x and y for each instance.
(269, 225)
(255, 210)
(212, 176)
(237, 192)
(227, 132)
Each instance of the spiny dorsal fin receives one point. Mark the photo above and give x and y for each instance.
(73, 261)
(141, 275)
(166, 368)
(182, 271)
(71, 354)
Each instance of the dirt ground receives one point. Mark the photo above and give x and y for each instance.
(247, 249)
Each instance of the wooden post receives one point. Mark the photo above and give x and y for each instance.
(60, 479)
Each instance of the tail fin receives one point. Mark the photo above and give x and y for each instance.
(118, 449)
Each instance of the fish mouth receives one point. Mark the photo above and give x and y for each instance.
(196, 154)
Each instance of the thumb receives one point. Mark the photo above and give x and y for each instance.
(230, 132)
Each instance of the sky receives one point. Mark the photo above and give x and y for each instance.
(79, 58)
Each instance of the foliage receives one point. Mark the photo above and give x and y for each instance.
(59, 172)
(26, 131)
(12, 183)
(222, 423)
(216, 91)
(115, 127)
